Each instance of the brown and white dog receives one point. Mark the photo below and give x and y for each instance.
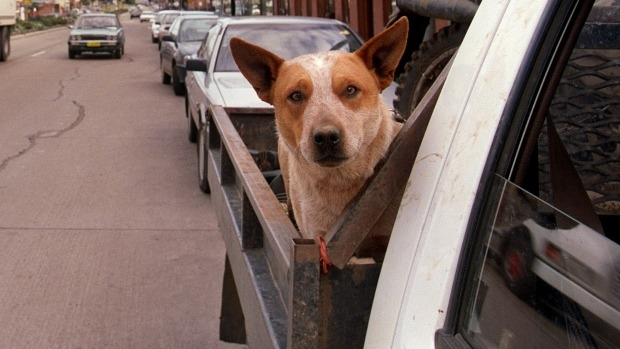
(332, 123)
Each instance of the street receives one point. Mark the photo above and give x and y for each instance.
(106, 240)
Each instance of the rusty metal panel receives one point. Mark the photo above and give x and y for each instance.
(328, 310)
(303, 304)
(345, 305)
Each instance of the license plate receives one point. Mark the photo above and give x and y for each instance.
(93, 44)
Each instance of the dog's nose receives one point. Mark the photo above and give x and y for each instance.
(327, 138)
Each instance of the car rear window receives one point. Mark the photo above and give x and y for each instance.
(96, 22)
(287, 40)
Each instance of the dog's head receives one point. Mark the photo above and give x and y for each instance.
(328, 105)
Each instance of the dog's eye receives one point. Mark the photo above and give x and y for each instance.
(351, 91)
(296, 97)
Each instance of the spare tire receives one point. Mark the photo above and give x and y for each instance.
(425, 66)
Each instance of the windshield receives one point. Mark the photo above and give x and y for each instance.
(287, 40)
(169, 18)
(96, 22)
(195, 29)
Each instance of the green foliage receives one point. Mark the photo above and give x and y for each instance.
(38, 23)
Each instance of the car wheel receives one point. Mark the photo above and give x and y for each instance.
(154, 39)
(179, 88)
(192, 130)
(71, 54)
(165, 78)
(425, 66)
(5, 43)
(118, 53)
(203, 180)
(517, 262)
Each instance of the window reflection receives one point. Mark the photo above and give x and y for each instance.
(544, 286)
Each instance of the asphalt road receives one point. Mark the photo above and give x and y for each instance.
(105, 239)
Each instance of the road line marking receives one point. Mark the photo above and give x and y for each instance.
(38, 54)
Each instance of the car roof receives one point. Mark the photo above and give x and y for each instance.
(278, 20)
(99, 14)
(195, 17)
(187, 13)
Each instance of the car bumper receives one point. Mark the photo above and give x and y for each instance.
(94, 46)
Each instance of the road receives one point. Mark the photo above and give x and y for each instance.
(105, 239)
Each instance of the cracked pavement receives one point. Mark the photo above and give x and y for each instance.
(105, 239)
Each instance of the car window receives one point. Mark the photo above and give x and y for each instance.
(92, 22)
(169, 18)
(175, 26)
(206, 48)
(544, 268)
(287, 40)
(195, 29)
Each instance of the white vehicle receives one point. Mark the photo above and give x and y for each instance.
(506, 178)
(7, 21)
(156, 23)
(147, 16)
(484, 167)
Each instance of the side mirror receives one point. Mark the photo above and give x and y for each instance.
(196, 64)
(167, 37)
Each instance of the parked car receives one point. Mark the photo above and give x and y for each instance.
(156, 23)
(135, 12)
(147, 15)
(214, 79)
(182, 41)
(166, 22)
(96, 32)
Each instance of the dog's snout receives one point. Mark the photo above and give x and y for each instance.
(327, 137)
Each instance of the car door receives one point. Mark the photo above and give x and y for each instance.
(543, 269)
(209, 93)
(507, 235)
(168, 48)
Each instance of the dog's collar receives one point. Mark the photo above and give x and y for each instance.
(397, 117)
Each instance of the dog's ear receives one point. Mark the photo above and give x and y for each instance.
(382, 53)
(259, 66)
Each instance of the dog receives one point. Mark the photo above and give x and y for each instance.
(332, 124)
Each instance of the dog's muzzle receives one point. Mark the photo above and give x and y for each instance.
(328, 147)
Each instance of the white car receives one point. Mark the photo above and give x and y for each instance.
(147, 16)
(529, 80)
(156, 23)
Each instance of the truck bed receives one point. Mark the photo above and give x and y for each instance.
(272, 279)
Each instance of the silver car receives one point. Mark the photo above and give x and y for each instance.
(156, 24)
(181, 42)
(96, 32)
